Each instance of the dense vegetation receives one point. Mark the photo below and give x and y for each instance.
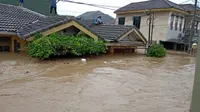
(156, 50)
(54, 45)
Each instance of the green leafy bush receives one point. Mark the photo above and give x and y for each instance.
(55, 45)
(156, 50)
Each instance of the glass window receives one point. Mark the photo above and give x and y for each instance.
(121, 21)
(176, 23)
(181, 24)
(171, 22)
(137, 21)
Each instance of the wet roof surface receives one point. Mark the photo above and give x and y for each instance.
(13, 18)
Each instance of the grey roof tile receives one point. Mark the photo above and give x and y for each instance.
(14, 17)
(111, 32)
(155, 4)
(41, 25)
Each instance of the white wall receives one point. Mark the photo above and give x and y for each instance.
(162, 25)
(172, 34)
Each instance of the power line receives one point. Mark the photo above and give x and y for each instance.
(94, 5)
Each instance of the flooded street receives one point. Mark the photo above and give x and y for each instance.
(119, 83)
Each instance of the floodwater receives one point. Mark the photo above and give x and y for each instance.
(119, 83)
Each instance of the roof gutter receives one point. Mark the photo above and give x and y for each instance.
(7, 33)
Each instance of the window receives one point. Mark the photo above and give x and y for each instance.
(171, 22)
(176, 23)
(181, 23)
(137, 21)
(121, 21)
(195, 26)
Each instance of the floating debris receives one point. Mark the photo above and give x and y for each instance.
(83, 60)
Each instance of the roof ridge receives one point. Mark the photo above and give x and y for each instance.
(167, 2)
(172, 4)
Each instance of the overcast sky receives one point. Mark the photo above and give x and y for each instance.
(65, 8)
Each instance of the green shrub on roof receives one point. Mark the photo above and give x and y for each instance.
(156, 50)
(44, 47)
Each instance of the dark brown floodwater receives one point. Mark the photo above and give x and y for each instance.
(120, 83)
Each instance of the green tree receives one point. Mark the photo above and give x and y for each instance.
(156, 50)
(54, 45)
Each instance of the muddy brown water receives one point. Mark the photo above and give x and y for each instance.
(119, 83)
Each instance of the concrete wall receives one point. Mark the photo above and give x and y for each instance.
(161, 22)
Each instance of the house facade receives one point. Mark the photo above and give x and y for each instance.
(170, 19)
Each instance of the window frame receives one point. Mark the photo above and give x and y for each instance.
(176, 23)
(172, 22)
(121, 22)
(181, 24)
(138, 25)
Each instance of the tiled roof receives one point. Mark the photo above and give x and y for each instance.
(47, 23)
(13, 18)
(110, 32)
(87, 22)
(41, 25)
(154, 4)
(105, 32)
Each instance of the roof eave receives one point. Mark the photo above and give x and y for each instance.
(154, 10)
(7, 33)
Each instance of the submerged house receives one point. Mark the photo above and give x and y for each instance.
(170, 20)
(19, 25)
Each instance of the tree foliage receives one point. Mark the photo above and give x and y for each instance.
(156, 50)
(54, 45)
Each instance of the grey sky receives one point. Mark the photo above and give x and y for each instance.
(65, 8)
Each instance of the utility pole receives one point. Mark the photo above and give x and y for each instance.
(150, 19)
(196, 89)
(192, 26)
(152, 27)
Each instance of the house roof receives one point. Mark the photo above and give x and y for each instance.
(87, 23)
(105, 32)
(41, 25)
(48, 23)
(25, 23)
(154, 4)
(189, 7)
(91, 15)
(13, 18)
(110, 32)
